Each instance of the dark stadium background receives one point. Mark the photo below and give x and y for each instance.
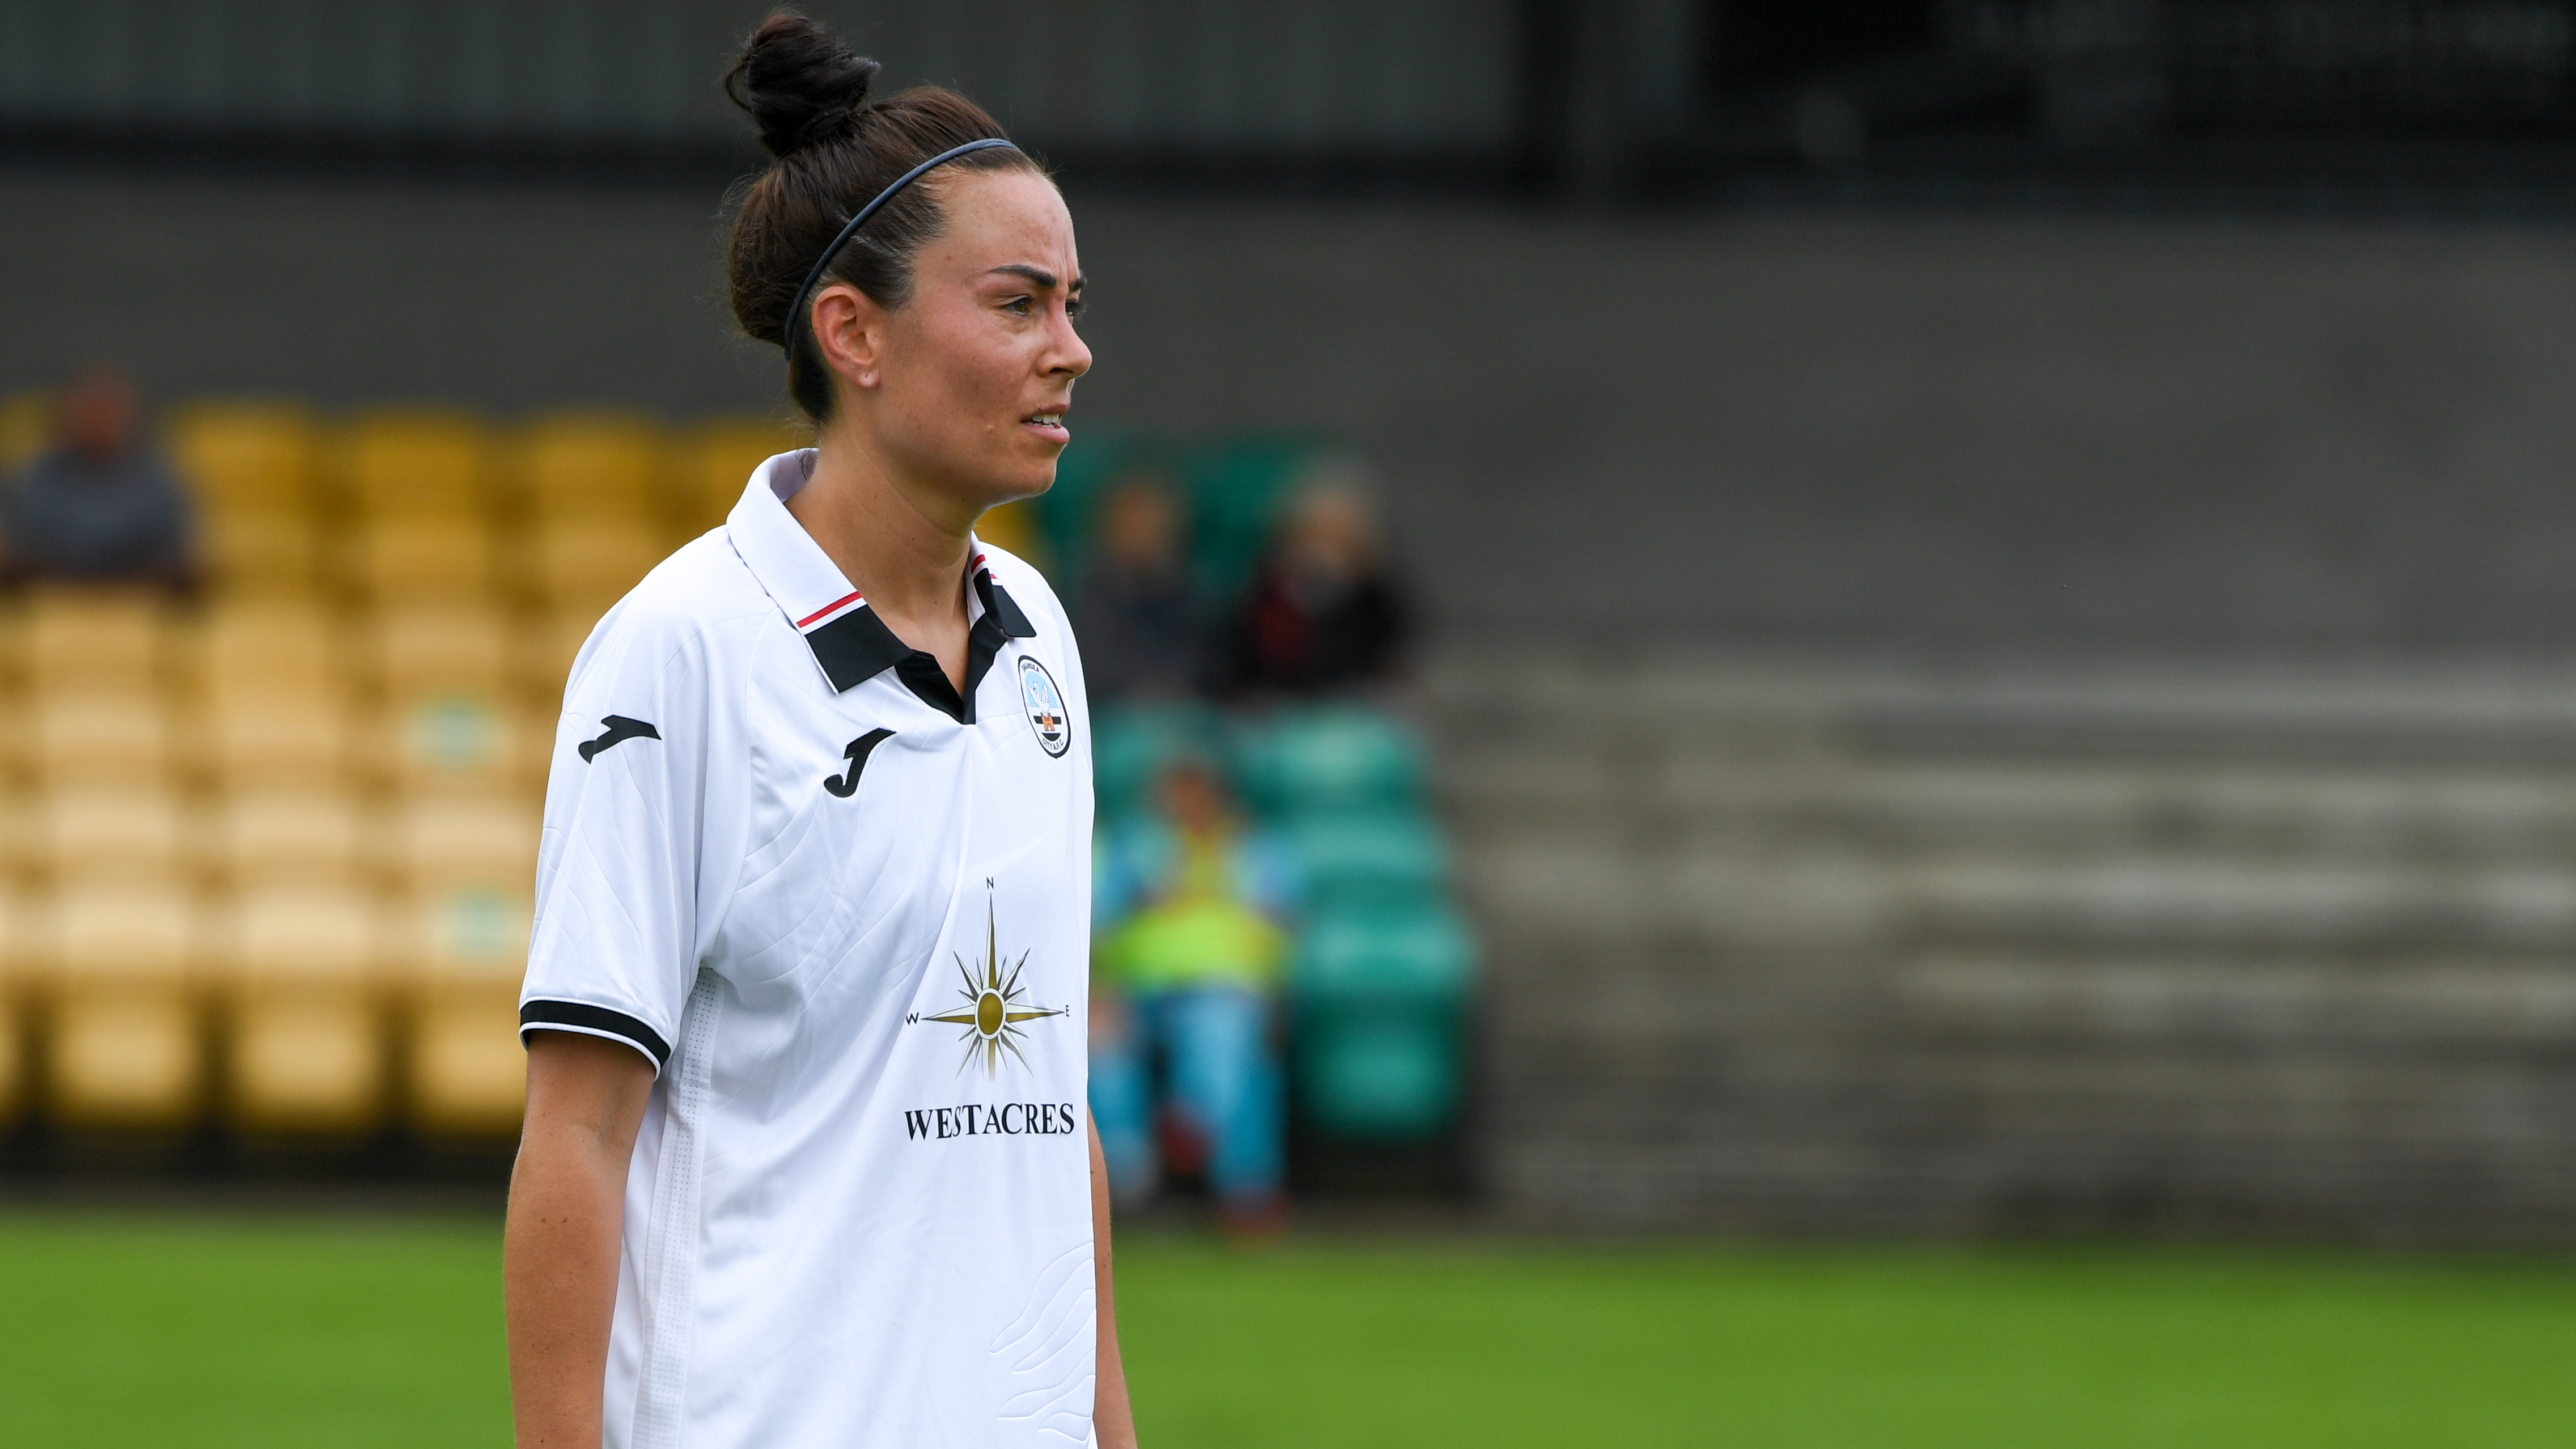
(2001, 578)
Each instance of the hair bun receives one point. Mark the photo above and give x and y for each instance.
(800, 82)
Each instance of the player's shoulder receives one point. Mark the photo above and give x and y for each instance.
(700, 594)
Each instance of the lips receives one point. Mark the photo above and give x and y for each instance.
(1048, 424)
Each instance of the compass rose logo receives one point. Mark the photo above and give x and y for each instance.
(995, 1005)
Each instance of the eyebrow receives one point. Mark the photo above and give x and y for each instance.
(1038, 275)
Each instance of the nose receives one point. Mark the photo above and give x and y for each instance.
(1072, 357)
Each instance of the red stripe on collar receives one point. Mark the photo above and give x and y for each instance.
(839, 603)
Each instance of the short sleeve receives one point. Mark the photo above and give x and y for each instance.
(615, 946)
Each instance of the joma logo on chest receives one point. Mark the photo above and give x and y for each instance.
(856, 752)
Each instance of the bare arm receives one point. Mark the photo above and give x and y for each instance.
(1112, 1420)
(559, 1254)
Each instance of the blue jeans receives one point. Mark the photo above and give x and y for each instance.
(1219, 1075)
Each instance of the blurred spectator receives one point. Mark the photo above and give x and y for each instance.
(1323, 614)
(1138, 621)
(100, 505)
(1190, 903)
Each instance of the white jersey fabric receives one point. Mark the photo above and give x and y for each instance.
(845, 911)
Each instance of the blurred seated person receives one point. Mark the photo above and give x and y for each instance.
(1189, 905)
(1323, 615)
(1134, 612)
(100, 506)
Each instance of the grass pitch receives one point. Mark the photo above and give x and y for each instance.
(284, 1333)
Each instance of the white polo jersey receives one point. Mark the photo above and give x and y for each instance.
(845, 911)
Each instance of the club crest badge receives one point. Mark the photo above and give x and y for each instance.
(1045, 706)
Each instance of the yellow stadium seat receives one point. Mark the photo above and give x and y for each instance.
(264, 647)
(451, 743)
(277, 839)
(26, 426)
(713, 465)
(288, 739)
(261, 555)
(126, 1043)
(97, 641)
(588, 565)
(547, 649)
(20, 839)
(1013, 527)
(468, 950)
(86, 739)
(579, 466)
(466, 843)
(304, 1012)
(449, 719)
(423, 650)
(402, 562)
(246, 457)
(13, 1009)
(100, 835)
(399, 464)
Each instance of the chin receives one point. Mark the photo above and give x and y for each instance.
(1013, 484)
(1028, 477)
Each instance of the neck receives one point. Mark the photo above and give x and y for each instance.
(899, 540)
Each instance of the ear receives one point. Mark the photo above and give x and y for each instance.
(850, 328)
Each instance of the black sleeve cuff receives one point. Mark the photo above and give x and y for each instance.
(588, 1020)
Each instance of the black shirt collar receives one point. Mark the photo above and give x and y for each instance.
(857, 647)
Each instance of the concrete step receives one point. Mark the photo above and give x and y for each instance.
(1733, 892)
(1912, 805)
(1821, 945)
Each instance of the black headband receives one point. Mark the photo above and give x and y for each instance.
(796, 314)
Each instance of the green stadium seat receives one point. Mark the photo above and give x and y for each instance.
(1395, 1080)
(1371, 958)
(1232, 494)
(1066, 511)
(1329, 757)
(1129, 746)
(1379, 1001)
(1235, 496)
(1351, 857)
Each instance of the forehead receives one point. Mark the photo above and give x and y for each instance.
(999, 217)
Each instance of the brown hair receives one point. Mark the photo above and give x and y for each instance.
(833, 152)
